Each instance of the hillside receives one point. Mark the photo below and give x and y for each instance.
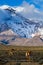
(8, 32)
(18, 41)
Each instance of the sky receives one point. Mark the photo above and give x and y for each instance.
(29, 8)
(37, 3)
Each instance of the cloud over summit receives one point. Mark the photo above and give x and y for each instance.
(30, 11)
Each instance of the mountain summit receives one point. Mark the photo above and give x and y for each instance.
(10, 19)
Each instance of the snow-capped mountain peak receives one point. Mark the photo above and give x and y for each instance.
(10, 19)
(4, 7)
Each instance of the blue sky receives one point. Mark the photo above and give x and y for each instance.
(11, 2)
(37, 3)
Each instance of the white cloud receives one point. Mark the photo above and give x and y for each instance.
(19, 9)
(30, 11)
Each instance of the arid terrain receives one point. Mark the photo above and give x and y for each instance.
(17, 41)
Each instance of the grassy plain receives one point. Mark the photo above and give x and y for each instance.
(15, 53)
